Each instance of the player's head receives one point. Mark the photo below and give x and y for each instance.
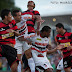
(59, 27)
(17, 15)
(6, 15)
(31, 5)
(46, 31)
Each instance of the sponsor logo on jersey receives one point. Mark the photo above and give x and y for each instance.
(65, 44)
(39, 39)
(7, 35)
(2, 29)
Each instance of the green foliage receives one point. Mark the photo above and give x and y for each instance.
(9, 4)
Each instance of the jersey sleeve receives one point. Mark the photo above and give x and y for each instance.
(37, 13)
(56, 40)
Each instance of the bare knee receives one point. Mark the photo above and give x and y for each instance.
(14, 67)
(28, 53)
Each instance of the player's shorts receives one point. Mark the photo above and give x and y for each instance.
(10, 53)
(21, 44)
(41, 61)
(18, 46)
(60, 65)
(67, 62)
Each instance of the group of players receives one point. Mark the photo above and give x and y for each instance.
(19, 34)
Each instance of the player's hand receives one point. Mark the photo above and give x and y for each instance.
(69, 47)
(49, 47)
(23, 39)
(59, 47)
(10, 30)
(36, 31)
(40, 21)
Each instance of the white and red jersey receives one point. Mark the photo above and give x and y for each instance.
(39, 51)
(22, 26)
(39, 44)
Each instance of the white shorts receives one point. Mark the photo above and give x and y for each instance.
(21, 44)
(41, 61)
(60, 65)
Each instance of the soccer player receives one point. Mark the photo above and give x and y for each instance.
(8, 31)
(65, 38)
(23, 30)
(40, 46)
(31, 30)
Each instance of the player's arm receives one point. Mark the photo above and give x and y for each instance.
(38, 19)
(69, 47)
(55, 49)
(51, 51)
(21, 38)
(13, 31)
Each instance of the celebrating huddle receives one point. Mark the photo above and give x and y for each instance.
(19, 33)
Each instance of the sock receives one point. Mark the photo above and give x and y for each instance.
(31, 64)
(19, 67)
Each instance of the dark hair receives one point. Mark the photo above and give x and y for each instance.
(4, 13)
(29, 2)
(14, 12)
(45, 28)
(59, 25)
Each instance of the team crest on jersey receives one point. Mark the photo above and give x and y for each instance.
(45, 65)
(66, 37)
(10, 25)
(39, 39)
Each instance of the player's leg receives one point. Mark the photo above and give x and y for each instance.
(18, 46)
(25, 64)
(30, 59)
(14, 67)
(67, 63)
(27, 49)
(11, 54)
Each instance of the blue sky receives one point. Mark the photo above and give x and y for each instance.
(48, 7)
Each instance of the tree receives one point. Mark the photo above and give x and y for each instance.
(9, 4)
